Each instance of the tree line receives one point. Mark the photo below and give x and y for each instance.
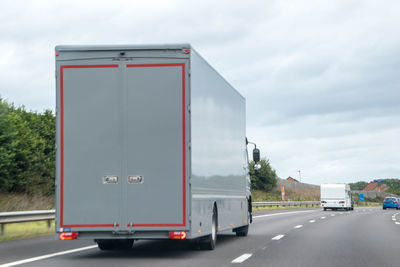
(27, 150)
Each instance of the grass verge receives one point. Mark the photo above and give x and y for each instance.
(14, 231)
(19, 202)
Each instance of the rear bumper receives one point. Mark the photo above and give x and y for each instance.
(334, 206)
(391, 206)
(146, 235)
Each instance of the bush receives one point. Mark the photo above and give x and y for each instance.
(263, 179)
(27, 150)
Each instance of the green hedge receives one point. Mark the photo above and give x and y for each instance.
(27, 150)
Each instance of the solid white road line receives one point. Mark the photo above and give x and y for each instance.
(242, 258)
(278, 237)
(282, 213)
(312, 221)
(47, 256)
(298, 226)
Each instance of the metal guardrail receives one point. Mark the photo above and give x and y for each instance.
(26, 216)
(286, 203)
(49, 215)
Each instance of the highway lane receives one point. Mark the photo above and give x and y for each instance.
(302, 238)
(367, 237)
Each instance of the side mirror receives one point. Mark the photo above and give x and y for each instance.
(256, 155)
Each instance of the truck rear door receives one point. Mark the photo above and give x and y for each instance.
(122, 144)
(155, 144)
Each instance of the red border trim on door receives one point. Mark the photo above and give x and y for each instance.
(182, 65)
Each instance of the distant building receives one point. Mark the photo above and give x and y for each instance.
(374, 186)
(291, 179)
(371, 186)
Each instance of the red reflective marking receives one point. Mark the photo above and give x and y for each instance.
(88, 66)
(184, 145)
(62, 143)
(155, 65)
(89, 225)
(156, 224)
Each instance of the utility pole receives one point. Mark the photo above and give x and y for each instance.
(299, 175)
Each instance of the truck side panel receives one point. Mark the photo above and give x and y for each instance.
(218, 159)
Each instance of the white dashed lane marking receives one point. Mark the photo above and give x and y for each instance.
(323, 217)
(298, 226)
(47, 256)
(312, 221)
(278, 237)
(242, 258)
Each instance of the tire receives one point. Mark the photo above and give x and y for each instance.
(114, 244)
(209, 242)
(384, 208)
(324, 209)
(242, 231)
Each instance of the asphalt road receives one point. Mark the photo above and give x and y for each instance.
(310, 237)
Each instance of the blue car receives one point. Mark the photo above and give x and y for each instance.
(391, 202)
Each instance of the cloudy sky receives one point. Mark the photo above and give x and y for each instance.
(321, 78)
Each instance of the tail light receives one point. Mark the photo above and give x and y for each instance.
(177, 235)
(341, 202)
(323, 202)
(68, 235)
(395, 202)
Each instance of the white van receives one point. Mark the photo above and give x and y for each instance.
(336, 196)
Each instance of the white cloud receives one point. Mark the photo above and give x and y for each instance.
(320, 77)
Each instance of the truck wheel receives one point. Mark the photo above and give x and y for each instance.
(114, 244)
(324, 209)
(242, 231)
(209, 242)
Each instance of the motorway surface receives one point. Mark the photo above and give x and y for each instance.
(308, 237)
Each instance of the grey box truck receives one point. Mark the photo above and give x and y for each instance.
(150, 145)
